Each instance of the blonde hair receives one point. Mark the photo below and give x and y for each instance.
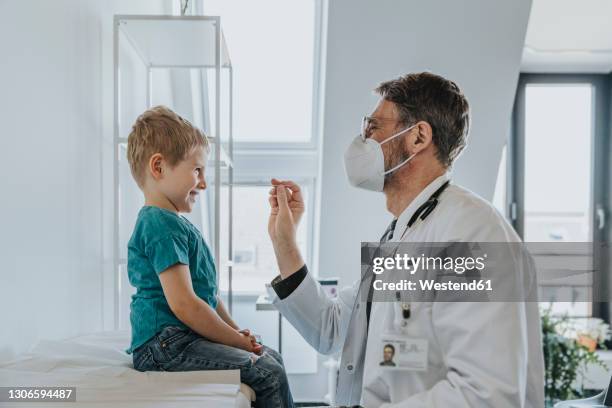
(161, 130)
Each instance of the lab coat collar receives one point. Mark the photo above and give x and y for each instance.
(419, 200)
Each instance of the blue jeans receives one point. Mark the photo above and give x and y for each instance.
(179, 349)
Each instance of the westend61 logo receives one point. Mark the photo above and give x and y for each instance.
(432, 285)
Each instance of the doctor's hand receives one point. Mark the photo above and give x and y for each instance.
(286, 210)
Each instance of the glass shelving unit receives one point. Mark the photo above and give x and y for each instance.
(187, 50)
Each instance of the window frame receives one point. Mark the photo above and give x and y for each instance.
(310, 184)
(600, 168)
(254, 162)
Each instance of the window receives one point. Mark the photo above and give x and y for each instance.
(254, 260)
(558, 170)
(557, 181)
(558, 143)
(273, 60)
(276, 67)
(274, 47)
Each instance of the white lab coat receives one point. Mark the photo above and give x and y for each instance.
(479, 354)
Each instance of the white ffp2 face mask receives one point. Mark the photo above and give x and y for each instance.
(364, 162)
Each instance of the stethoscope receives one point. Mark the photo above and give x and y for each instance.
(422, 212)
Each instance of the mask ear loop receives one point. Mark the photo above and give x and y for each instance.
(397, 134)
(398, 166)
(384, 173)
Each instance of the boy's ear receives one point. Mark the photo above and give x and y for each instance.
(156, 166)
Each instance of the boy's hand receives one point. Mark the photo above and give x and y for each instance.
(247, 332)
(249, 342)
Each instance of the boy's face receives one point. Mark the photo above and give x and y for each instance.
(182, 183)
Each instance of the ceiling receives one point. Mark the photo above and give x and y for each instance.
(569, 36)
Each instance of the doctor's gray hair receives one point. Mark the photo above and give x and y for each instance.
(437, 101)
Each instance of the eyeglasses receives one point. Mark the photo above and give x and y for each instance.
(368, 122)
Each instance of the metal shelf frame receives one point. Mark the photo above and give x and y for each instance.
(171, 42)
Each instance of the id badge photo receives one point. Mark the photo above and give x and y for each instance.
(403, 353)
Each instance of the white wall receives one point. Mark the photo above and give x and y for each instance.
(56, 115)
(476, 43)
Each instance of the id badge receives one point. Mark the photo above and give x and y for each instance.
(403, 353)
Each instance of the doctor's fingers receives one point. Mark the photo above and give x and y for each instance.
(291, 195)
(296, 192)
(273, 202)
(294, 205)
(288, 183)
(283, 200)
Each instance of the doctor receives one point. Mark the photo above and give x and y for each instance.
(477, 354)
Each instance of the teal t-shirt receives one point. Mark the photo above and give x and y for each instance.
(160, 240)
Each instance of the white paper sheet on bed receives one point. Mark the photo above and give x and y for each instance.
(103, 375)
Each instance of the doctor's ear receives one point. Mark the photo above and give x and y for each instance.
(424, 134)
(156, 163)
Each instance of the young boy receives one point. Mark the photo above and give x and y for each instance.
(179, 322)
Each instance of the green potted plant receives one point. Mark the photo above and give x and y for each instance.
(568, 349)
